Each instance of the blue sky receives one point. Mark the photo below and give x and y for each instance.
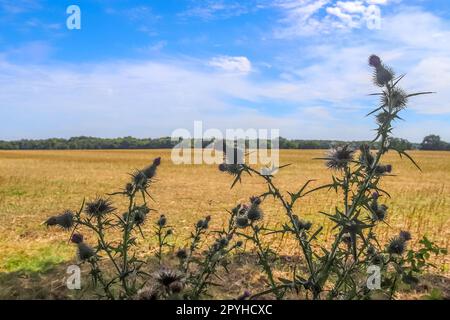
(146, 68)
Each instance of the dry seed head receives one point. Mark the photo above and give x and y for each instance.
(85, 252)
(99, 207)
(397, 246)
(182, 254)
(242, 222)
(77, 238)
(374, 61)
(405, 235)
(339, 157)
(64, 220)
(166, 277)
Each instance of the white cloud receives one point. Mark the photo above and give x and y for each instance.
(313, 17)
(232, 64)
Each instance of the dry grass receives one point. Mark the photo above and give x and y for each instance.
(35, 184)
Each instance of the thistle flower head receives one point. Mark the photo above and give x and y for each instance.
(398, 99)
(99, 207)
(254, 212)
(383, 117)
(374, 61)
(162, 221)
(405, 235)
(139, 215)
(396, 245)
(64, 220)
(242, 221)
(166, 277)
(85, 252)
(339, 157)
(379, 212)
(182, 254)
(203, 223)
(383, 74)
(150, 171)
(77, 238)
(383, 169)
(377, 259)
(233, 169)
(301, 224)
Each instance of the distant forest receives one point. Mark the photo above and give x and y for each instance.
(431, 142)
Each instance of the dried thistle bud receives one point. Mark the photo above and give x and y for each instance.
(157, 161)
(405, 235)
(77, 238)
(85, 252)
(99, 207)
(166, 277)
(182, 254)
(379, 212)
(233, 169)
(339, 157)
(254, 213)
(301, 224)
(398, 99)
(162, 221)
(397, 246)
(377, 259)
(242, 222)
(383, 74)
(383, 169)
(203, 224)
(64, 220)
(374, 61)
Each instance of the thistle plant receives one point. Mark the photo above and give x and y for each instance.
(162, 232)
(100, 217)
(332, 270)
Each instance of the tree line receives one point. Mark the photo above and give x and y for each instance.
(431, 142)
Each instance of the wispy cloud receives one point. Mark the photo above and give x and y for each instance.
(232, 64)
(220, 9)
(315, 17)
(19, 6)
